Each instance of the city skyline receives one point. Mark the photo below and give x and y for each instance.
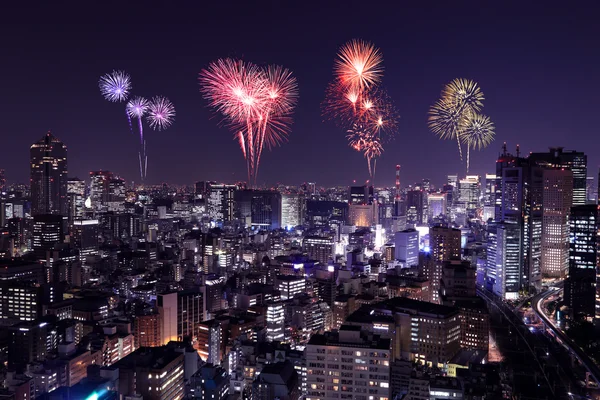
(536, 72)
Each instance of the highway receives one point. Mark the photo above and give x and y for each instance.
(536, 304)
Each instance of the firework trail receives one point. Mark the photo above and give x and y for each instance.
(355, 100)
(458, 98)
(256, 103)
(116, 87)
(477, 132)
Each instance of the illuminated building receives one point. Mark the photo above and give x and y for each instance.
(146, 329)
(436, 205)
(154, 373)
(558, 199)
(343, 306)
(2, 181)
(85, 236)
(434, 334)
(458, 288)
(575, 161)
(580, 286)
(363, 215)
(444, 244)
(275, 322)
(359, 194)
(48, 161)
(319, 248)
(27, 343)
(75, 198)
(260, 209)
(210, 383)
(47, 232)
(469, 191)
(349, 361)
(292, 210)
(504, 262)
(99, 188)
(518, 200)
(591, 190)
(415, 201)
(210, 338)
(407, 247)
(220, 202)
(290, 285)
(179, 314)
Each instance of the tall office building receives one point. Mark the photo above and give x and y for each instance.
(99, 188)
(48, 160)
(437, 205)
(359, 194)
(558, 199)
(292, 209)
(504, 259)
(319, 248)
(220, 202)
(580, 286)
(85, 236)
(152, 373)
(259, 209)
(444, 244)
(469, 192)
(518, 199)
(47, 233)
(576, 161)
(407, 247)
(361, 367)
(415, 199)
(179, 313)
(75, 198)
(275, 322)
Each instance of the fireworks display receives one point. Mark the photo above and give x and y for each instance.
(159, 112)
(256, 103)
(455, 116)
(356, 101)
(115, 86)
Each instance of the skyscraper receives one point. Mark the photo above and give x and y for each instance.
(48, 161)
(75, 198)
(407, 247)
(576, 161)
(445, 245)
(518, 199)
(580, 286)
(292, 209)
(47, 232)
(558, 199)
(504, 260)
(221, 202)
(469, 192)
(414, 207)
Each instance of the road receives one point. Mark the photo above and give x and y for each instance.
(536, 304)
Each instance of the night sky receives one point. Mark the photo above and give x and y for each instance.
(538, 65)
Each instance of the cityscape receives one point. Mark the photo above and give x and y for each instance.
(151, 261)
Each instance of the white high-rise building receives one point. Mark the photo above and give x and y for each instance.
(558, 199)
(292, 210)
(350, 363)
(275, 322)
(407, 247)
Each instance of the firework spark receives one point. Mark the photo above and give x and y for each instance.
(477, 132)
(354, 99)
(137, 107)
(160, 113)
(359, 65)
(115, 86)
(256, 103)
(459, 98)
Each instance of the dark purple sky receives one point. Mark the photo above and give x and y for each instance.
(538, 65)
